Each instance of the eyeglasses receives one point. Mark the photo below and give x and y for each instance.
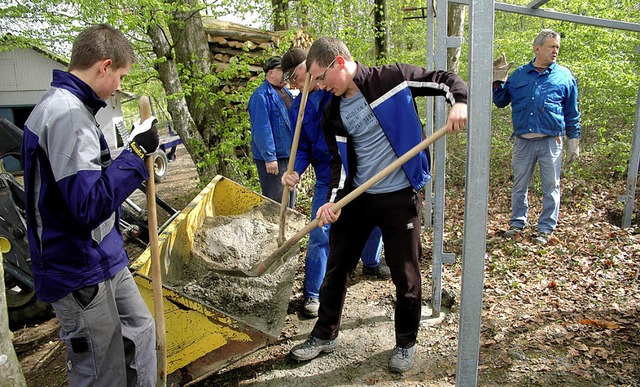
(294, 74)
(322, 76)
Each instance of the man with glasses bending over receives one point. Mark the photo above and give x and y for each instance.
(312, 150)
(370, 121)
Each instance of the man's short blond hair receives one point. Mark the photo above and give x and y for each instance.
(100, 42)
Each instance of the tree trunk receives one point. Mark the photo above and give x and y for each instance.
(380, 28)
(192, 51)
(10, 371)
(280, 20)
(176, 104)
(455, 27)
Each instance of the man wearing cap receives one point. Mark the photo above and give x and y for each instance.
(312, 149)
(271, 130)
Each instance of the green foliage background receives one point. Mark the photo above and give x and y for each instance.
(604, 61)
(607, 68)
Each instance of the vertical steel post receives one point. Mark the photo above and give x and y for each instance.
(481, 22)
(428, 129)
(632, 175)
(440, 164)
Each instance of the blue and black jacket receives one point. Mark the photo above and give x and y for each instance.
(312, 148)
(390, 92)
(73, 191)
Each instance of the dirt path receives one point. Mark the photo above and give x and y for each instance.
(367, 337)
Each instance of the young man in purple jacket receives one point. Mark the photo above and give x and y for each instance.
(73, 193)
(370, 122)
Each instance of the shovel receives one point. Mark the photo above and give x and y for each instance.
(156, 273)
(262, 267)
(292, 159)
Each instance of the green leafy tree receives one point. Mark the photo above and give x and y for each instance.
(605, 64)
(208, 106)
(174, 61)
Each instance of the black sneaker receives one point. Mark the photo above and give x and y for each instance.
(402, 359)
(381, 271)
(512, 232)
(312, 347)
(311, 306)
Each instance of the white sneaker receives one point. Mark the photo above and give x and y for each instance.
(402, 359)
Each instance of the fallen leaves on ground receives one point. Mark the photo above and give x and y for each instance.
(565, 313)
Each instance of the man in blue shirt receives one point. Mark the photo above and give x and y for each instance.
(312, 150)
(271, 130)
(544, 102)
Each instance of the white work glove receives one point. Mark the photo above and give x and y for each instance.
(573, 150)
(501, 68)
(143, 139)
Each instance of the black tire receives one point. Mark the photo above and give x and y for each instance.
(24, 308)
(160, 165)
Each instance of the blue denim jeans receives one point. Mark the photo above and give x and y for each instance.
(318, 247)
(547, 152)
(270, 184)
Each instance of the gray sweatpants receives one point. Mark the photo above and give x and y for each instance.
(109, 333)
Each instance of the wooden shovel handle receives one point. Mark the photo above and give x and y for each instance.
(262, 267)
(358, 191)
(156, 272)
(292, 157)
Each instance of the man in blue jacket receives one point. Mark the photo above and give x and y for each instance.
(271, 130)
(73, 192)
(312, 150)
(544, 108)
(370, 121)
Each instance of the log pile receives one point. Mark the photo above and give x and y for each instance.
(301, 40)
(230, 41)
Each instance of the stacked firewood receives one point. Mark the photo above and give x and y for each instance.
(301, 40)
(231, 41)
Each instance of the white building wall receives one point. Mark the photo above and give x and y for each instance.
(25, 74)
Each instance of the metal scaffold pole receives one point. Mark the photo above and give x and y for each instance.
(481, 21)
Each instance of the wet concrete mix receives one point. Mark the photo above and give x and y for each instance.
(241, 242)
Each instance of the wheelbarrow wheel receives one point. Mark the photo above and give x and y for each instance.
(23, 306)
(160, 165)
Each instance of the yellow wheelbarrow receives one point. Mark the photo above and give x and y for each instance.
(212, 321)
